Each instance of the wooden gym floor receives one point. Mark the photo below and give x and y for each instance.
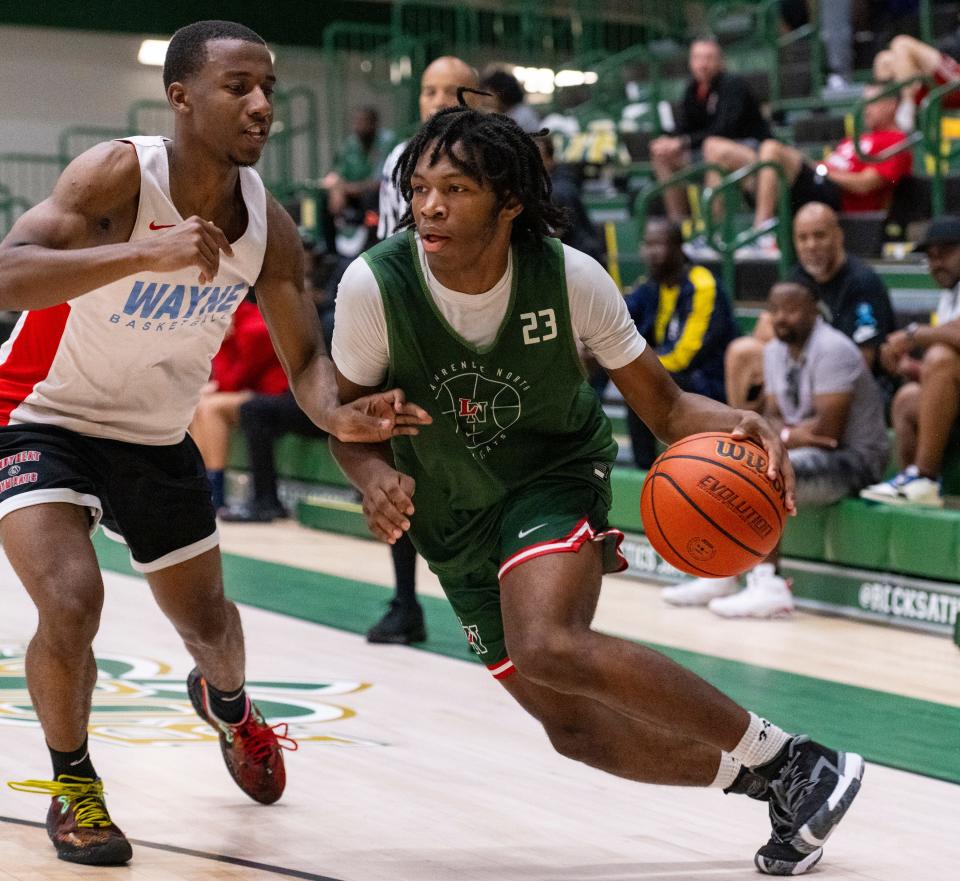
(415, 766)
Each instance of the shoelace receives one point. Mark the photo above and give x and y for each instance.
(84, 795)
(781, 823)
(259, 739)
(789, 791)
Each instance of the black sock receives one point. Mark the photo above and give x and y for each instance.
(229, 707)
(405, 570)
(76, 763)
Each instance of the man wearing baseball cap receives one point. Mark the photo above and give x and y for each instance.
(926, 407)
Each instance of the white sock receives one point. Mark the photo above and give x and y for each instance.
(761, 742)
(727, 772)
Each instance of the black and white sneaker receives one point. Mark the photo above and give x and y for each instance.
(778, 856)
(810, 794)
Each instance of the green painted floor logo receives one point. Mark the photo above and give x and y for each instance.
(137, 702)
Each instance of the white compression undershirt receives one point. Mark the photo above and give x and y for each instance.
(598, 314)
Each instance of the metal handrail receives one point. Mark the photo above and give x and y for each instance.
(698, 170)
(726, 241)
(102, 133)
(930, 120)
(913, 138)
(772, 37)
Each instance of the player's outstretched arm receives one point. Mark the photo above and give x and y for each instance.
(387, 494)
(76, 240)
(297, 338)
(671, 414)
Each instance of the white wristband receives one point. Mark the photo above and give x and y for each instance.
(784, 435)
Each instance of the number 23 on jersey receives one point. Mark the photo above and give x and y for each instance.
(539, 327)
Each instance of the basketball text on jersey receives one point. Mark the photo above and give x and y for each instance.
(164, 306)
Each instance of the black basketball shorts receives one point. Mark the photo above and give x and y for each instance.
(156, 499)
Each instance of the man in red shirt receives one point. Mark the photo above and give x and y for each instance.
(842, 180)
(245, 365)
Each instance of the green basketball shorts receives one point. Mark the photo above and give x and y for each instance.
(555, 514)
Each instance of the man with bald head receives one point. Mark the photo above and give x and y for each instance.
(403, 621)
(438, 89)
(853, 298)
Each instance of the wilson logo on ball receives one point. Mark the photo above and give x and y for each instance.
(709, 508)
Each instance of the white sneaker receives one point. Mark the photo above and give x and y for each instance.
(764, 248)
(699, 248)
(766, 595)
(699, 592)
(838, 86)
(909, 487)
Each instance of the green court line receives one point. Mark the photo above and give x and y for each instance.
(901, 732)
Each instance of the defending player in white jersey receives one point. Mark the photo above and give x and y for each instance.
(129, 273)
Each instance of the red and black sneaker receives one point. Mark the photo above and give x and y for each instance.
(78, 823)
(252, 749)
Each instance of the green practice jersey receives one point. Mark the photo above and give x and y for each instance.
(505, 413)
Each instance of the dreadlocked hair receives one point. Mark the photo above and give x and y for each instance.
(494, 151)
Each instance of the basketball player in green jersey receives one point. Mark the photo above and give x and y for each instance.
(477, 312)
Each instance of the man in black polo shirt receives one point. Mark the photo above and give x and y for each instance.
(715, 104)
(852, 296)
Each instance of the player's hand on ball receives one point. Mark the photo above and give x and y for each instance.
(377, 418)
(755, 427)
(388, 503)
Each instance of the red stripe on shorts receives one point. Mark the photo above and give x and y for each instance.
(502, 669)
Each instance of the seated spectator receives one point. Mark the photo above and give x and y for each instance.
(925, 409)
(265, 418)
(580, 232)
(353, 186)
(509, 99)
(852, 296)
(684, 313)
(829, 409)
(906, 58)
(245, 365)
(716, 105)
(842, 180)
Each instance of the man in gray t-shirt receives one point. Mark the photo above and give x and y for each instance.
(824, 399)
(820, 390)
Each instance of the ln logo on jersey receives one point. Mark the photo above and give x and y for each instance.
(473, 411)
(137, 702)
(472, 634)
(484, 408)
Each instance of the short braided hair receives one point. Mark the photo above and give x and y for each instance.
(494, 151)
(187, 51)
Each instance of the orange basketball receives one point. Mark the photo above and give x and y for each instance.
(709, 508)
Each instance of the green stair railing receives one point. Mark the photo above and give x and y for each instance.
(928, 134)
(11, 207)
(30, 176)
(374, 53)
(78, 139)
(695, 172)
(722, 234)
(930, 122)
